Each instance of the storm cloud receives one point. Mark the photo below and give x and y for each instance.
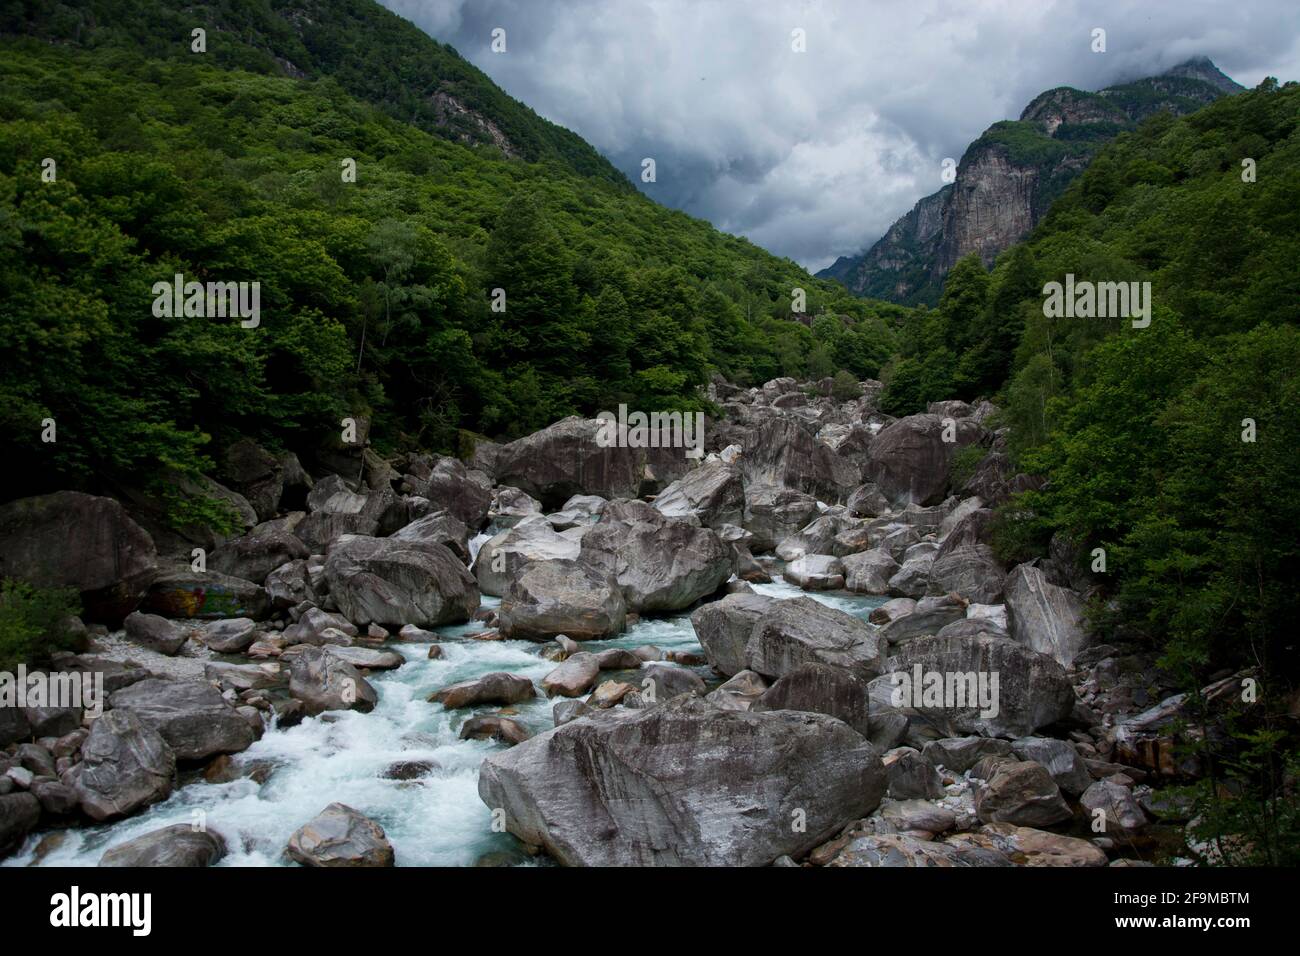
(813, 154)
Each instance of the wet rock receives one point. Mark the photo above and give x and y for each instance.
(712, 787)
(367, 658)
(341, 836)
(663, 681)
(323, 682)
(574, 677)
(495, 688)
(56, 799)
(19, 814)
(815, 572)
(178, 845)
(567, 710)
(610, 693)
(126, 765)
(562, 597)
(192, 716)
(501, 729)
(617, 659)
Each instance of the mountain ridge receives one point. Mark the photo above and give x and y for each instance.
(1008, 177)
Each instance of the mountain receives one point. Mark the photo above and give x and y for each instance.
(485, 274)
(372, 53)
(1008, 178)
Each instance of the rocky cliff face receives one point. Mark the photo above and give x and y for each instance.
(1009, 176)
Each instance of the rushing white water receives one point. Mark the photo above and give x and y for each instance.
(437, 820)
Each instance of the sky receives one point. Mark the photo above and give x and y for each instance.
(813, 154)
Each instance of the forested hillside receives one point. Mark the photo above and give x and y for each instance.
(1172, 447)
(376, 294)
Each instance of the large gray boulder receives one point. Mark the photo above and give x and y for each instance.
(815, 572)
(772, 514)
(532, 538)
(1043, 616)
(928, 617)
(257, 475)
(191, 715)
(438, 527)
(510, 506)
(387, 581)
(1031, 689)
(154, 633)
(180, 592)
(498, 687)
(723, 628)
(174, 846)
(910, 460)
(565, 459)
(549, 598)
(450, 486)
(71, 540)
(1058, 758)
(1021, 793)
(325, 682)
(901, 851)
(913, 576)
(340, 836)
(713, 494)
(19, 814)
(784, 452)
(337, 511)
(660, 563)
(821, 689)
(684, 784)
(125, 765)
(868, 572)
(971, 571)
(573, 677)
(255, 555)
(802, 630)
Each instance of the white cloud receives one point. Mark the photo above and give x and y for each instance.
(813, 155)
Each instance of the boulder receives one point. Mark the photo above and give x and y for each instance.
(929, 616)
(684, 783)
(13, 725)
(341, 836)
(1117, 804)
(574, 677)
(125, 765)
(154, 633)
(1030, 847)
(821, 689)
(817, 537)
(290, 585)
(723, 628)
(891, 610)
(255, 555)
(815, 572)
(324, 682)
(1057, 757)
(660, 563)
(972, 571)
(783, 452)
(866, 501)
(505, 555)
(1027, 690)
(257, 475)
(71, 540)
(913, 576)
(566, 459)
(1021, 793)
(868, 572)
(772, 514)
(495, 688)
(959, 754)
(900, 850)
(1045, 617)
(802, 630)
(367, 658)
(510, 506)
(387, 581)
(451, 487)
(320, 627)
(438, 527)
(617, 659)
(209, 595)
(177, 845)
(493, 727)
(342, 512)
(713, 494)
(662, 681)
(191, 715)
(738, 692)
(917, 815)
(548, 598)
(911, 776)
(230, 636)
(910, 460)
(579, 511)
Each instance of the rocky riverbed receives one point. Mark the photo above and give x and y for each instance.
(800, 650)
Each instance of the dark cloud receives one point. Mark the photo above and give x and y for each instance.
(813, 155)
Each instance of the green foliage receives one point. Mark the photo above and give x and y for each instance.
(31, 622)
(375, 295)
(845, 387)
